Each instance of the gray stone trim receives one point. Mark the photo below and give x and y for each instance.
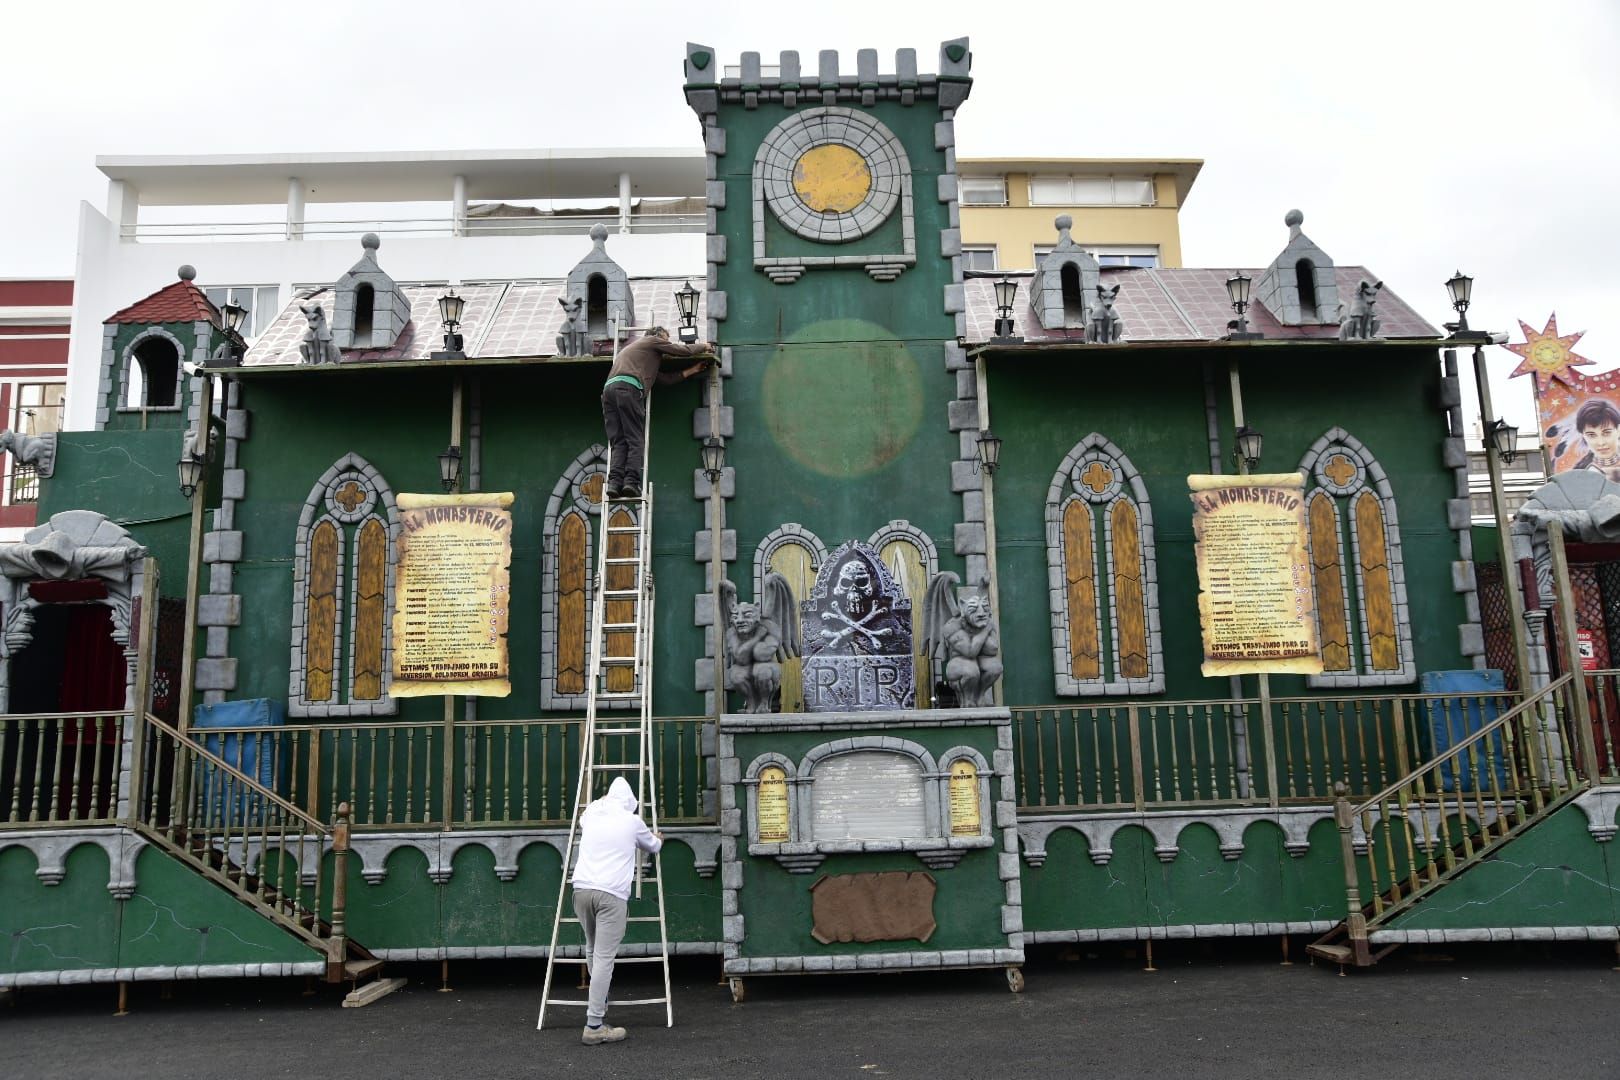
(536, 952)
(748, 723)
(706, 88)
(771, 185)
(789, 533)
(1599, 805)
(921, 959)
(1471, 631)
(1166, 827)
(1497, 933)
(440, 849)
(179, 372)
(1064, 489)
(159, 972)
(51, 848)
(221, 608)
(566, 499)
(904, 531)
(1371, 478)
(1166, 932)
(317, 508)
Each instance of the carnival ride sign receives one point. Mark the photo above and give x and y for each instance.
(452, 591)
(1579, 413)
(1256, 605)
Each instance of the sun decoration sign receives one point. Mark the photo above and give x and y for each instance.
(1579, 413)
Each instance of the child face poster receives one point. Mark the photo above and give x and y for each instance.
(1579, 414)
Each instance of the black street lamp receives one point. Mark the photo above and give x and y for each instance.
(686, 300)
(714, 458)
(1006, 296)
(1460, 289)
(1504, 438)
(450, 467)
(989, 450)
(229, 352)
(190, 467)
(1249, 442)
(1237, 291)
(451, 307)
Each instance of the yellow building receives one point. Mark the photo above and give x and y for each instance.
(1125, 210)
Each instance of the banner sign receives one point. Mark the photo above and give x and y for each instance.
(452, 591)
(1256, 600)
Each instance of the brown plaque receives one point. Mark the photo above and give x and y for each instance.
(964, 798)
(895, 905)
(773, 805)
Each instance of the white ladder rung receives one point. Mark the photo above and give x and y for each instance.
(617, 961)
(616, 731)
(613, 1001)
(624, 528)
(627, 918)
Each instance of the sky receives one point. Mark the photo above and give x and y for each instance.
(1418, 137)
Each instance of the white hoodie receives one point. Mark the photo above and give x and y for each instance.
(609, 833)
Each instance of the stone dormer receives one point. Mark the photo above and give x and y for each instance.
(368, 310)
(1298, 288)
(1064, 283)
(598, 290)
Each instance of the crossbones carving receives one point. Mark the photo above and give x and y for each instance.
(851, 627)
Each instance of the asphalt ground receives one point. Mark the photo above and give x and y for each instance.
(1210, 1010)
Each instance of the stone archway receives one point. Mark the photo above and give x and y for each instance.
(73, 546)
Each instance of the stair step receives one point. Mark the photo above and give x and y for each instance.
(359, 969)
(1338, 954)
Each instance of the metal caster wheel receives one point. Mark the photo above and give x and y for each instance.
(737, 991)
(1015, 980)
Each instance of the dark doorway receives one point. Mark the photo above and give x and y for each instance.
(60, 767)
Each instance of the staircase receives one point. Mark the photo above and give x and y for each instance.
(1422, 832)
(238, 833)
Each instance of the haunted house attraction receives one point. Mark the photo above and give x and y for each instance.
(923, 682)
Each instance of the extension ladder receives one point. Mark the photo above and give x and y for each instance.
(621, 615)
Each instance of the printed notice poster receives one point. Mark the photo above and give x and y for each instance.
(451, 595)
(1256, 603)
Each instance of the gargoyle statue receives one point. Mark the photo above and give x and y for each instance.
(961, 640)
(1361, 322)
(759, 637)
(317, 346)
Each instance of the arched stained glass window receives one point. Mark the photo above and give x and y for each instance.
(1100, 558)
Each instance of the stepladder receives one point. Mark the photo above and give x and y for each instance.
(617, 741)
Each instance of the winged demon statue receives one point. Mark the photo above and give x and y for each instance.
(962, 641)
(759, 636)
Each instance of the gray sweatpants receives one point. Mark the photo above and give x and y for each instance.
(602, 917)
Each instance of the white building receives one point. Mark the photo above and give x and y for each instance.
(258, 226)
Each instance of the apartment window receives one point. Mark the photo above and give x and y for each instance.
(261, 302)
(1121, 255)
(981, 258)
(38, 412)
(1090, 191)
(982, 190)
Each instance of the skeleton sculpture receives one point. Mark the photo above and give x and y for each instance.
(317, 346)
(962, 641)
(759, 637)
(1361, 322)
(1103, 325)
(575, 340)
(860, 619)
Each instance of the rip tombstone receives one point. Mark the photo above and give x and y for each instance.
(857, 636)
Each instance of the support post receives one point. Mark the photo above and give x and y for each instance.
(188, 647)
(1263, 678)
(717, 568)
(988, 491)
(338, 947)
(1567, 629)
(145, 647)
(295, 208)
(458, 206)
(1355, 922)
(624, 202)
(449, 699)
(1504, 534)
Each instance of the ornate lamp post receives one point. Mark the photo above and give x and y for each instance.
(1246, 451)
(686, 300)
(450, 467)
(1237, 291)
(989, 451)
(1006, 296)
(451, 307)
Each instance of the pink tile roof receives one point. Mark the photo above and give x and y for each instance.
(179, 302)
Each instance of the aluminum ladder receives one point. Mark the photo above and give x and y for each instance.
(621, 616)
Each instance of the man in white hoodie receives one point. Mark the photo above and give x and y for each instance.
(610, 831)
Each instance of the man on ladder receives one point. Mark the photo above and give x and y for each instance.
(624, 402)
(610, 832)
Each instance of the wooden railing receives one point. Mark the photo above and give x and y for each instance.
(504, 773)
(1135, 755)
(1458, 806)
(63, 769)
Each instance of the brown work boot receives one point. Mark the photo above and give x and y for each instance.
(604, 1034)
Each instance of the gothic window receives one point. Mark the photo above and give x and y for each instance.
(1102, 573)
(1355, 555)
(1305, 281)
(342, 594)
(796, 553)
(571, 535)
(151, 372)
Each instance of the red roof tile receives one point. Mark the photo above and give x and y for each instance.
(180, 302)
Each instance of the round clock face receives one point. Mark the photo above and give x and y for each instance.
(831, 175)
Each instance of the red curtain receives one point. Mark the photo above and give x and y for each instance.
(93, 668)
